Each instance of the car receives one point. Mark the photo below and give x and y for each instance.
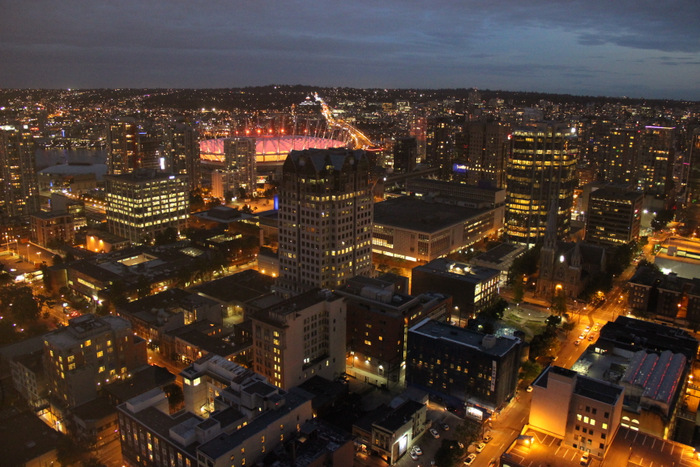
(445, 426)
(480, 447)
(413, 455)
(487, 437)
(591, 337)
(581, 337)
(434, 432)
(470, 458)
(417, 450)
(529, 389)
(577, 342)
(585, 458)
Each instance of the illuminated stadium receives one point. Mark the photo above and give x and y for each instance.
(271, 150)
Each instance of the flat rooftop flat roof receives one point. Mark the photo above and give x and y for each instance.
(407, 212)
(462, 336)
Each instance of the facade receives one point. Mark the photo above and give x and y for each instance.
(419, 230)
(440, 143)
(472, 288)
(19, 191)
(666, 297)
(468, 369)
(144, 203)
(583, 412)
(378, 319)
(482, 150)
(325, 218)
(614, 216)
(300, 337)
(460, 194)
(52, 228)
(541, 170)
(89, 353)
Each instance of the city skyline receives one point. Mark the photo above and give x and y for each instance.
(635, 49)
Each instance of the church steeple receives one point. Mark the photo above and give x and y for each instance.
(550, 235)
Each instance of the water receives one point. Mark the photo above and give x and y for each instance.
(48, 157)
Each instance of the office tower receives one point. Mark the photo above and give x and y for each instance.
(19, 193)
(122, 137)
(405, 154)
(614, 216)
(656, 158)
(300, 338)
(440, 143)
(238, 173)
(325, 218)
(181, 153)
(144, 203)
(482, 148)
(541, 169)
(149, 149)
(89, 353)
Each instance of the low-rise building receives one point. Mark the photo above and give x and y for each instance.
(52, 228)
(472, 288)
(378, 318)
(583, 412)
(418, 230)
(467, 369)
(300, 337)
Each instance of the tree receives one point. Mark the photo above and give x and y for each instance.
(169, 235)
(449, 453)
(518, 290)
(545, 344)
(559, 302)
(526, 264)
(530, 370)
(568, 327)
(176, 397)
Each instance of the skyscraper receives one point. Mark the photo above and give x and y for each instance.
(19, 192)
(623, 151)
(440, 143)
(239, 165)
(405, 154)
(325, 218)
(541, 169)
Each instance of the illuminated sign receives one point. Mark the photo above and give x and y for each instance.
(459, 168)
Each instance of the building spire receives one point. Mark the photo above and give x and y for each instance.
(550, 235)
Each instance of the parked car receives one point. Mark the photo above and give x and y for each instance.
(470, 458)
(480, 447)
(413, 455)
(487, 437)
(445, 426)
(435, 433)
(417, 450)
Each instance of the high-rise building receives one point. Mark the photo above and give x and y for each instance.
(482, 149)
(623, 151)
(614, 216)
(238, 173)
(440, 143)
(656, 158)
(19, 192)
(300, 338)
(121, 145)
(325, 218)
(89, 353)
(181, 153)
(541, 169)
(144, 203)
(693, 189)
(405, 154)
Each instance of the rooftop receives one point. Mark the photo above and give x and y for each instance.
(456, 270)
(485, 343)
(407, 212)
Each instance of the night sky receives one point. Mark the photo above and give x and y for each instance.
(634, 48)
